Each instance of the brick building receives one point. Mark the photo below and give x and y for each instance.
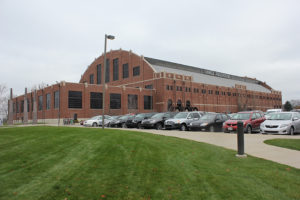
(136, 84)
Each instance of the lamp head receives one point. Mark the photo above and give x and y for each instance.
(111, 37)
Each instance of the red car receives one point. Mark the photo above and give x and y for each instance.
(251, 120)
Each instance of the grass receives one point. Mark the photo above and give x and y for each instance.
(285, 143)
(84, 163)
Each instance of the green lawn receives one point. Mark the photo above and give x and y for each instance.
(286, 143)
(84, 163)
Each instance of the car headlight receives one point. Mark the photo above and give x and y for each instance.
(224, 124)
(152, 120)
(284, 125)
(204, 124)
(262, 125)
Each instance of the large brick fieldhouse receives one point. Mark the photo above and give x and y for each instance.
(136, 84)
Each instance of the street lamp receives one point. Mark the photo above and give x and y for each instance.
(110, 37)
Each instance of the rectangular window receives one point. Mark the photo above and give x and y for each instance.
(132, 101)
(56, 99)
(116, 69)
(48, 102)
(217, 92)
(136, 71)
(96, 100)
(32, 103)
(40, 102)
(149, 86)
(115, 101)
(75, 99)
(107, 71)
(99, 74)
(28, 105)
(147, 102)
(22, 106)
(91, 78)
(14, 108)
(168, 87)
(125, 71)
(17, 107)
(171, 87)
(203, 91)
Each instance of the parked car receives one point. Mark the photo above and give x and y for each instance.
(107, 120)
(181, 119)
(121, 121)
(282, 123)
(94, 121)
(137, 120)
(250, 119)
(157, 120)
(209, 122)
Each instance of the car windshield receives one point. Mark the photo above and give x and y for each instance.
(124, 117)
(281, 116)
(241, 116)
(158, 115)
(96, 117)
(181, 115)
(140, 115)
(208, 117)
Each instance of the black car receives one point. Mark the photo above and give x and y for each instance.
(157, 120)
(121, 121)
(209, 122)
(137, 120)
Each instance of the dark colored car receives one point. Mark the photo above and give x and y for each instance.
(137, 120)
(157, 120)
(251, 120)
(209, 122)
(121, 121)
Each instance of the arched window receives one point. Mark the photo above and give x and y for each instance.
(170, 107)
(188, 103)
(179, 103)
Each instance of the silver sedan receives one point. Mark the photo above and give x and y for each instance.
(282, 123)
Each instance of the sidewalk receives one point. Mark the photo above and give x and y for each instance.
(254, 144)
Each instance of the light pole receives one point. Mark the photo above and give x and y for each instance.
(110, 37)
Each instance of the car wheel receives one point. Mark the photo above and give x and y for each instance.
(139, 125)
(94, 124)
(249, 130)
(158, 126)
(291, 132)
(211, 129)
(183, 127)
(225, 130)
(124, 125)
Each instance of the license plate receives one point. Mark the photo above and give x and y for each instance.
(230, 128)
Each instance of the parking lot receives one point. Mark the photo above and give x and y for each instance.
(254, 144)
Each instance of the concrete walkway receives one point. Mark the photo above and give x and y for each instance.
(254, 144)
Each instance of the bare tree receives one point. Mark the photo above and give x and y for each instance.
(39, 86)
(4, 96)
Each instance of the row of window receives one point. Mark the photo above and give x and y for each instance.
(125, 72)
(203, 91)
(20, 107)
(96, 100)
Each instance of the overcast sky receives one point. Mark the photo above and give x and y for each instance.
(55, 40)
